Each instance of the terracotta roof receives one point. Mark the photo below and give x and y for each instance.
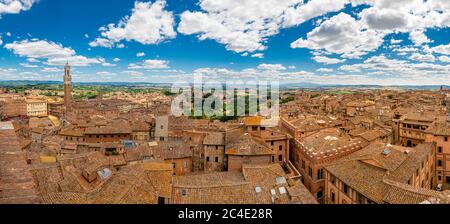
(214, 138)
(439, 129)
(247, 145)
(16, 182)
(116, 127)
(252, 121)
(328, 140)
(171, 150)
(255, 185)
(71, 131)
(366, 169)
(65, 198)
(135, 184)
(361, 103)
(372, 135)
(400, 193)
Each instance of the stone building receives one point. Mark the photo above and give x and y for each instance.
(312, 153)
(36, 108)
(214, 152)
(56, 108)
(440, 134)
(376, 174)
(14, 108)
(411, 127)
(278, 140)
(247, 150)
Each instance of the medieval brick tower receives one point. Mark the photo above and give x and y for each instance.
(67, 86)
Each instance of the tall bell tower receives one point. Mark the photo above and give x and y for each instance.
(67, 85)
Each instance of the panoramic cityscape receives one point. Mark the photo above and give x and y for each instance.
(225, 102)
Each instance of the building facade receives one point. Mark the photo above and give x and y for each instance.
(36, 108)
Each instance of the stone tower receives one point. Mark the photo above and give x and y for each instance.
(67, 86)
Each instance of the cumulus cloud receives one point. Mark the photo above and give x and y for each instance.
(242, 26)
(401, 71)
(53, 53)
(140, 54)
(133, 73)
(422, 57)
(27, 65)
(441, 49)
(51, 69)
(384, 19)
(314, 8)
(149, 64)
(444, 59)
(15, 6)
(418, 37)
(356, 36)
(341, 34)
(257, 55)
(327, 60)
(394, 41)
(271, 67)
(325, 70)
(148, 24)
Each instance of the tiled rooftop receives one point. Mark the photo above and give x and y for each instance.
(16, 182)
(366, 169)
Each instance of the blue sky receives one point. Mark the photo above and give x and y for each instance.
(321, 41)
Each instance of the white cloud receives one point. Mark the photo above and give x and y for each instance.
(102, 42)
(27, 65)
(149, 64)
(384, 19)
(32, 60)
(271, 67)
(242, 26)
(405, 49)
(301, 13)
(422, 57)
(116, 59)
(394, 41)
(444, 59)
(354, 37)
(341, 34)
(292, 67)
(418, 37)
(15, 6)
(257, 55)
(441, 49)
(104, 73)
(54, 53)
(133, 73)
(401, 71)
(325, 70)
(107, 64)
(140, 54)
(327, 60)
(51, 69)
(148, 24)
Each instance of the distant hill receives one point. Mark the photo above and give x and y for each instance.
(282, 86)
